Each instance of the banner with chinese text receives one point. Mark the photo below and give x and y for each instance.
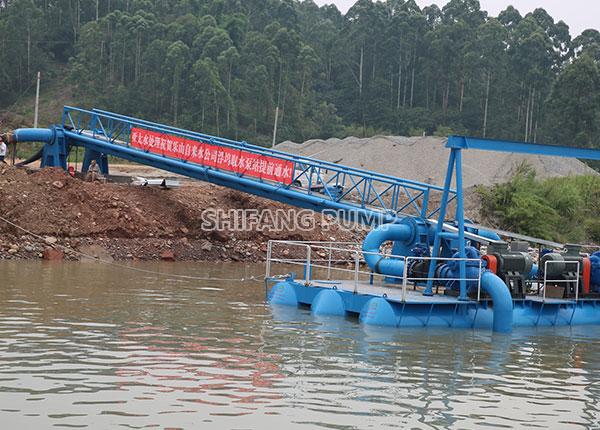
(220, 157)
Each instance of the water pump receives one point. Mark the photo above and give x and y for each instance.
(512, 264)
(565, 272)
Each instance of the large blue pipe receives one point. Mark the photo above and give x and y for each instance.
(372, 245)
(502, 301)
(34, 135)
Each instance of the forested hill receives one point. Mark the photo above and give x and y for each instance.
(223, 66)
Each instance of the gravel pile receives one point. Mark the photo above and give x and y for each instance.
(426, 158)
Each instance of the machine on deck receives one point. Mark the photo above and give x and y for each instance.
(434, 273)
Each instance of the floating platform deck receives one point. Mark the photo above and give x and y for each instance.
(384, 305)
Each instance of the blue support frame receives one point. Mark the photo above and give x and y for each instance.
(457, 144)
(56, 152)
(463, 142)
(376, 198)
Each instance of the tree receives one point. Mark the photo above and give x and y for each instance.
(491, 37)
(208, 88)
(588, 43)
(385, 67)
(574, 104)
(177, 59)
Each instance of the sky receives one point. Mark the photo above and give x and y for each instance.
(578, 14)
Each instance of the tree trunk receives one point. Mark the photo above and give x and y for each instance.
(101, 57)
(216, 110)
(360, 72)
(427, 92)
(405, 87)
(527, 117)
(462, 94)
(520, 108)
(138, 54)
(391, 86)
(229, 94)
(532, 114)
(123, 65)
(412, 86)
(487, 102)
(399, 81)
(446, 97)
(175, 107)
(28, 48)
(374, 58)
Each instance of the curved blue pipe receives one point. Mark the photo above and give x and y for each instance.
(502, 300)
(374, 240)
(34, 135)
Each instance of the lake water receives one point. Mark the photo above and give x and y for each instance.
(85, 345)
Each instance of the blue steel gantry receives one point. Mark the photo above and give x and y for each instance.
(457, 144)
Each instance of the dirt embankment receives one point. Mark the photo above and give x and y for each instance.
(128, 222)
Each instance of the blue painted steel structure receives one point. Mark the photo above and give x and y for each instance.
(359, 195)
(367, 197)
(458, 143)
(463, 142)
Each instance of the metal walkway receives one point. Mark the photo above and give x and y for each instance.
(367, 197)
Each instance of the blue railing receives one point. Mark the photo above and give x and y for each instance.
(350, 188)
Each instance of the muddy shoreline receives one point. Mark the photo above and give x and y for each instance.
(67, 218)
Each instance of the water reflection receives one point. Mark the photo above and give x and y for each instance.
(86, 345)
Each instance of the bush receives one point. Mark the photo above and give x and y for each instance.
(559, 209)
(416, 132)
(443, 131)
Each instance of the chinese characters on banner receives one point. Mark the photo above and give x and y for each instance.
(206, 154)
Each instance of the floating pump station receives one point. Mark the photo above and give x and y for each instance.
(440, 270)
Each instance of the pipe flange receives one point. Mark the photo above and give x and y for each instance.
(8, 138)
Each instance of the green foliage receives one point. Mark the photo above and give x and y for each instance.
(561, 209)
(574, 104)
(443, 131)
(417, 132)
(386, 67)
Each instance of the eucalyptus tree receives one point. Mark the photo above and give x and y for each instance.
(588, 43)
(574, 104)
(492, 60)
(177, 61)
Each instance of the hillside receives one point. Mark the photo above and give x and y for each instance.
(384, 67)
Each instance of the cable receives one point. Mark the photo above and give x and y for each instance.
(135, 269)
